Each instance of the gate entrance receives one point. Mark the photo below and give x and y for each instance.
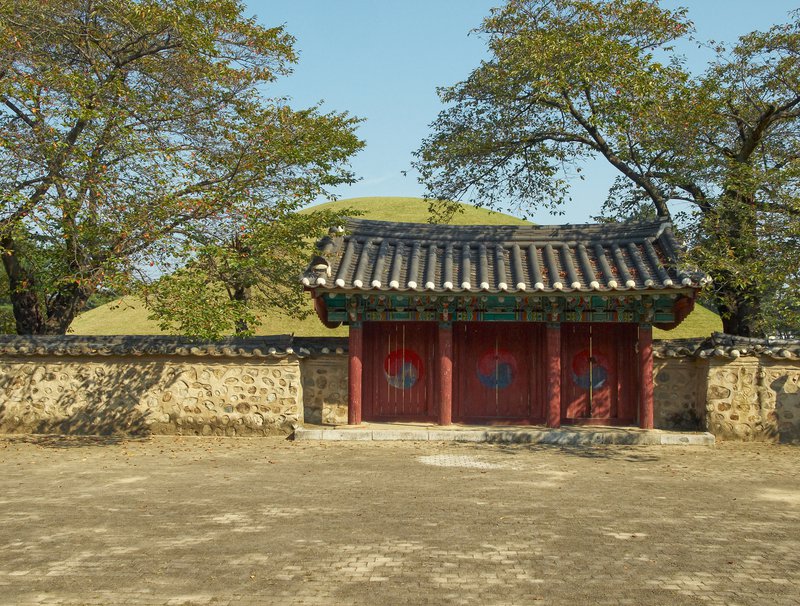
(500, 372)
(598, 374)
(398, 371)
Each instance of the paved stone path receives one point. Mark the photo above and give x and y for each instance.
(266, 521)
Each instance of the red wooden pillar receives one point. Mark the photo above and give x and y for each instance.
(354, 377)
(553, 364)
(444, 374)
(646, 376)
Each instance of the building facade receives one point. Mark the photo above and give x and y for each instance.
(501, 324)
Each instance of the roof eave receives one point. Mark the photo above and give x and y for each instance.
(679, 290)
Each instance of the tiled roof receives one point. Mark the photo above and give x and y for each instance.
(251, 347)
(385, 256)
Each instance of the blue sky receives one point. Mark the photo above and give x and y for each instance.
(382, 60)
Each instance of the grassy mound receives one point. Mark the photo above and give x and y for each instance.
(415, 210)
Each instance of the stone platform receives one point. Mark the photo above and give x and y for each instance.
(518, 434)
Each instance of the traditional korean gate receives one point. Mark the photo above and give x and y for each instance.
(398, 371)
(499, 372)
(598, 374)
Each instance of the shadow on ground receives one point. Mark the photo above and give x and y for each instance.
(623, 453)
(60, 441)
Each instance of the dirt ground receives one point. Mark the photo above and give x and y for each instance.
(268, 521)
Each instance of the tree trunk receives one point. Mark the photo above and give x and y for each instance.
(63, 307)
(740, 312)
(241, 294)
(21, 287)
(29, 315)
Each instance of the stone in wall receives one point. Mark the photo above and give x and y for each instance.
(325, 389)
(157, 395)
(737, 405)
(679, 393)
(780, 395)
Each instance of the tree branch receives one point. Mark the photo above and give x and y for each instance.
(601, 145)
(19, 113)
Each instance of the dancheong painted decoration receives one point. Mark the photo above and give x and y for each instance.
(501, 324)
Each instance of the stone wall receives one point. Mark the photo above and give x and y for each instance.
(268, 385)
(325, 389)
(745, 389)
(153, 385)
(87, 395)
(733, 401)
(754, 399)
(780, 394)
(679, 393)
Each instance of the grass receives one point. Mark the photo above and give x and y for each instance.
(129, 316)
(415, 210)
(700, 323)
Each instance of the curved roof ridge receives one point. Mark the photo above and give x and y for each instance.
(446, 231)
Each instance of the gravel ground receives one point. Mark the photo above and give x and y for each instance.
(268, 521)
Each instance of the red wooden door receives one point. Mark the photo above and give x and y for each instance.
(598, 373)
(398, 371)
(498, 372)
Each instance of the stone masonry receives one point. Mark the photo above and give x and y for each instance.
(149, 396)
(325, 389)
(753, 399)
(680, 388)
(151, 385)
(742, 389)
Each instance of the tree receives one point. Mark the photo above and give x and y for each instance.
(572, 79)
(127, 124)
(238, 268)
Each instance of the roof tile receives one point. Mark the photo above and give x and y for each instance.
(381, 256)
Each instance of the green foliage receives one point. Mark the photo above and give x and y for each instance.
(242, 269)
(571, 79)
(7, 324)
(126, 125)
(238, 271)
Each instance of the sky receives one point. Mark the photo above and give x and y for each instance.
(382, 60)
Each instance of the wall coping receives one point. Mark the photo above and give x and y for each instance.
(273, 346)
(720, 345)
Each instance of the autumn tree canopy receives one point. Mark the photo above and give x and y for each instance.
(719, 152)
(126, 126)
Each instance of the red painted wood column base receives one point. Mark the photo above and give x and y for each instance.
(553, 338)
(354, 377)
(444, 363)
(646, 374)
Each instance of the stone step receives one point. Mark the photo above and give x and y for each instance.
(582, 436)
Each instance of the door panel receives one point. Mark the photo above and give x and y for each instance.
(597, 364)
(398, 370)
(494, 372)
(626, 343)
